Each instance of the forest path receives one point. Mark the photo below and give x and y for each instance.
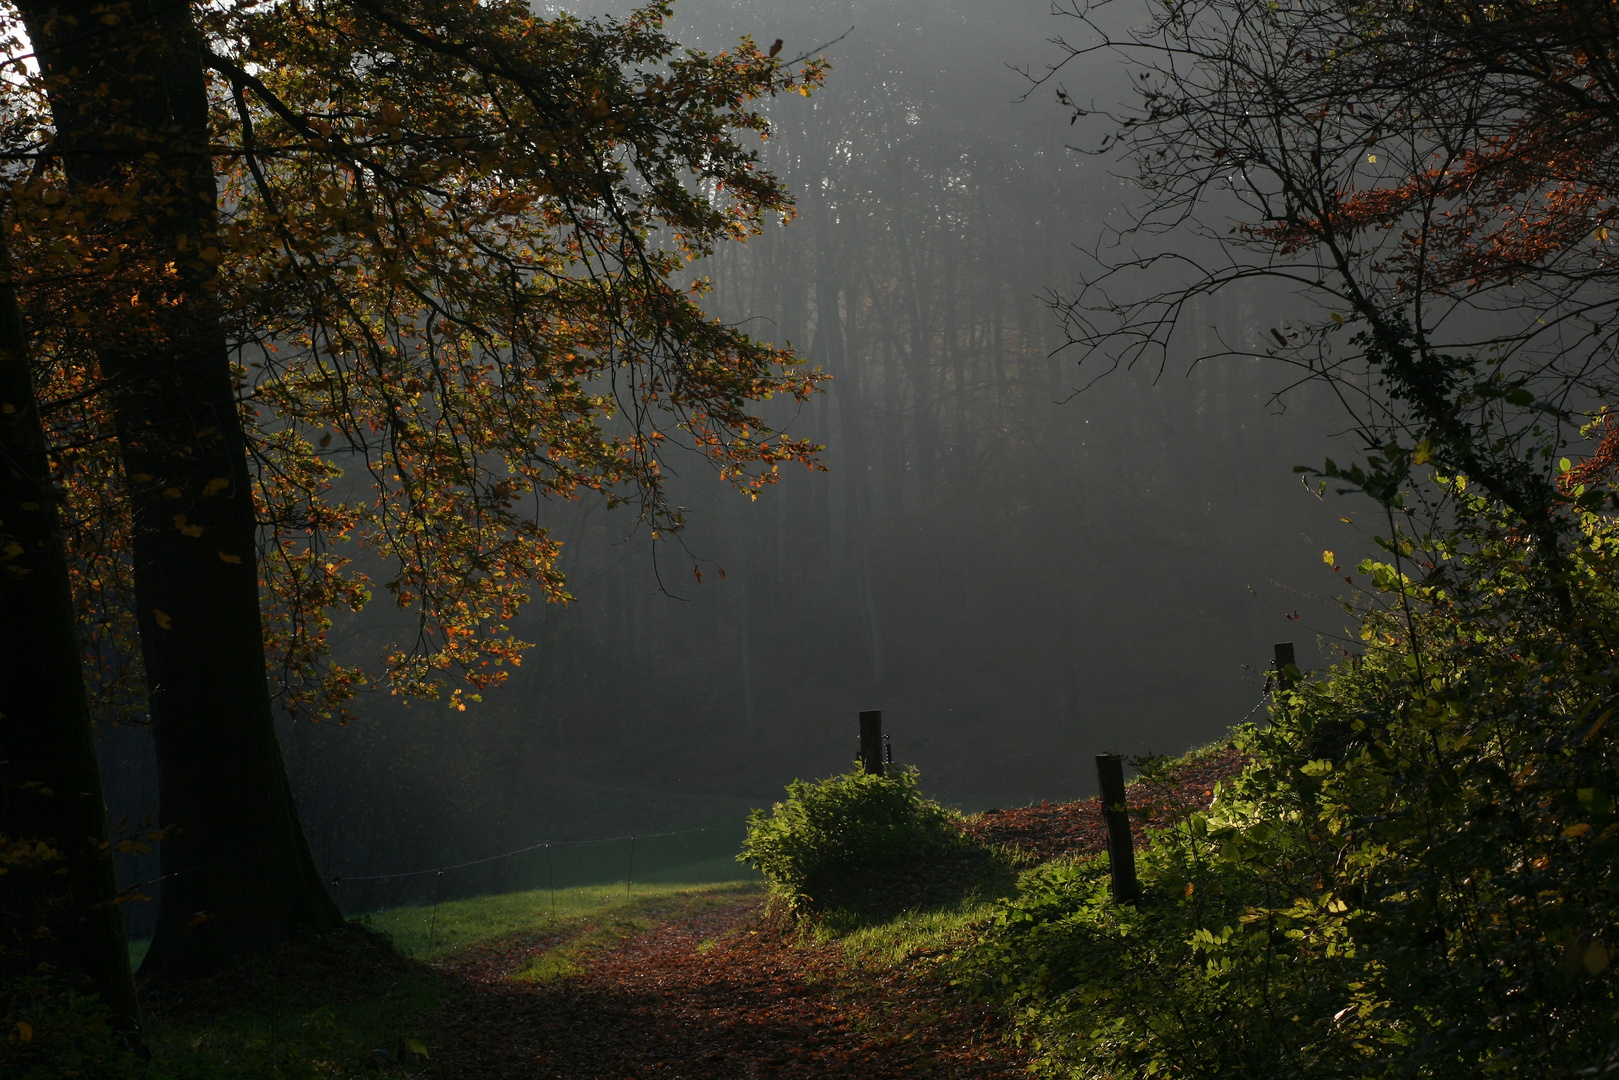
(717, 994)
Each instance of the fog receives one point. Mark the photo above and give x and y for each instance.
(1021, 560)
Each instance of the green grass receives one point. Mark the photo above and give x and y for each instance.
(484, 918)
(915, 933)
(361, 1004)
(462, 923)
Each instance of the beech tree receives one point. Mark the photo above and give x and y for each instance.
(437, 241)
(59, 908)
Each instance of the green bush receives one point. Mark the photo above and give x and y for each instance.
(861, 844)
(1188, 984)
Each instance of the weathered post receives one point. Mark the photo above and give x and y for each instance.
(1121, 852)
(1284, 660)
(871, 742)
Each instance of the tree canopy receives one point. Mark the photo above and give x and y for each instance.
(432, 246)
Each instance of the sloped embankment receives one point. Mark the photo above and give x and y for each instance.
(1050, 830)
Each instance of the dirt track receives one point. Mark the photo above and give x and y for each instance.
(715, 996)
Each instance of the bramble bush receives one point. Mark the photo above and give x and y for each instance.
(860, 844)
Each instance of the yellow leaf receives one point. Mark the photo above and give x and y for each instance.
(1596, 958)
(8, 408)
(162, 619)
(143, 478)
(1371, 159)
(171, 493)
(215, 486)
(232, 559)
(1576, 830)
(1328, 558)
(415, 1047)
(189, 530)
(30, 506)
(25, 1032)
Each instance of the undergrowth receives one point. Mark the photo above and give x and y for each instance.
(1414, 877)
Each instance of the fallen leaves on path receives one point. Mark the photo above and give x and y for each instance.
(721, 995)
(1049, 830)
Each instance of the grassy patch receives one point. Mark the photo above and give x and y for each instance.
(579, 939)
(360, 1003)
(459, 924)
(569, 958)
(916, 934)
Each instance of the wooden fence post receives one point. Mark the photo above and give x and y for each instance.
(871, 742)
(1121, 852)
(1284, 660)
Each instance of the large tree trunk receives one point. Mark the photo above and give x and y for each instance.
(58, 906)
(129, 102)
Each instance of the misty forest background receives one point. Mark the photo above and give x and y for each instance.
(1019, 574)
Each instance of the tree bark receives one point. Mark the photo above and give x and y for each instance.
(58, 908)
(128, 98)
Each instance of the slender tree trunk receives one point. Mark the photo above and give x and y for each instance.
(129, 102)
(50, 783)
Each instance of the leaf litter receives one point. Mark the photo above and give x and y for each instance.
(725, 993)
(1053, 830)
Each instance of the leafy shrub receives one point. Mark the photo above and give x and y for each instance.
(1188, 984)
(1415, 877)
(861, 844)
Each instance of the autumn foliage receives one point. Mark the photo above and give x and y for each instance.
(450, 266)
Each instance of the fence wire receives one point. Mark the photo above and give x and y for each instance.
(705, 853)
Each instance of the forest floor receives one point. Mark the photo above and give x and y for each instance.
(716, 990)
(696, 982)
(718, 993)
